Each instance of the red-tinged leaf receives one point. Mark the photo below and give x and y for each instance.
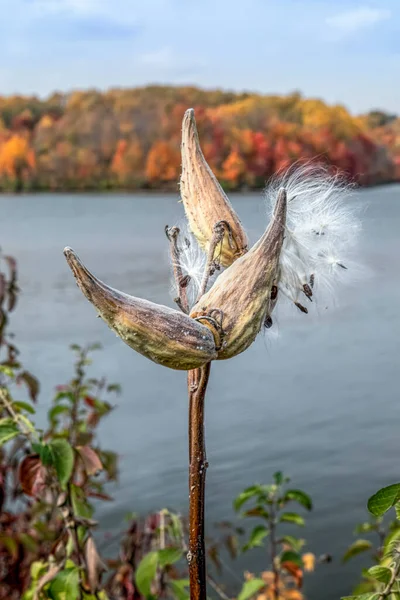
(99, 495)
(31, 382)
(62, 388)
(32, 476)
(92, 419)
(12, 298)
(214, 557)
(2, 287)
(12, 265)
(90, 401)
(90, 459)
(95, 565)
(294, 571)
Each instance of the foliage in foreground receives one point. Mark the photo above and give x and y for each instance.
(50, 479)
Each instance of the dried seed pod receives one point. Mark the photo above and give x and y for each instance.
(205, 202)
(165, 336)
(242, 293)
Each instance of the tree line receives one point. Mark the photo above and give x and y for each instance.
(129, 138)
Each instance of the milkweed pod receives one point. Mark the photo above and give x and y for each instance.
(240, 298)
(163, 335)
(204, 200)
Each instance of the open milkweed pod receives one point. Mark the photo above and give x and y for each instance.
(165, 336)
(204, 200)
(240, 299)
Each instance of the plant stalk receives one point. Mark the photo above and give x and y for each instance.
(273, 545)
(197, 386)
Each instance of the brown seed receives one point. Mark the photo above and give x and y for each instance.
(205, 202)
(162, 334)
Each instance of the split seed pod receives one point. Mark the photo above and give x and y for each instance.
(204, 200)
(165, 336)
(240, 299)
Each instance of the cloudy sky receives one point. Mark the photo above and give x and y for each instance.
(341, 51)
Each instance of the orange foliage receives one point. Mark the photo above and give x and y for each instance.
(163, 163)
(130, 137)
(233, 169)
(128, 162)
(16, 155)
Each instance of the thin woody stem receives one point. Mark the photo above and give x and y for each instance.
(197, 386)
(273, 544)
(395, 575)
(220, 229)
(172, 234)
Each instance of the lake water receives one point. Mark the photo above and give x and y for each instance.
(320, 402)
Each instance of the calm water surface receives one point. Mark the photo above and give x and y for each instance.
(321, 402)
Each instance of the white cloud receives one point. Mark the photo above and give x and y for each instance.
(350, 21)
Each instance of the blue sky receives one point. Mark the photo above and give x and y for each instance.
(341, 51)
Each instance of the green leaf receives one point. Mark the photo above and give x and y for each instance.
(26, 422)
(146, 572)
(362, 597)
(278, 477)
(364, 528)
(244, 496)
(63, 459)
(65, 585)
(169, 556)
(380, 573)
(37, 569)
(391, 542)
(7, 371)
(44, 452)
(397, 509)
(80, 505)
(291, 517)
(384, 499)
(8, 430)
(357, 547)
(256, 537)
(295, 543)
(293, 557)
(56, 410)
(178, 587)
(24, 406)
(300, 497)
(250, 588)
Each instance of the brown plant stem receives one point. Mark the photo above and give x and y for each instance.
(273, 545)
(197, 386)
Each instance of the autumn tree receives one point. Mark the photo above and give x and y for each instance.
(17, 161)
(163, 163)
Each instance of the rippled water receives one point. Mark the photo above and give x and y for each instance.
(321, 401)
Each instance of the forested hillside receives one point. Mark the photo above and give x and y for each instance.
(129, 138)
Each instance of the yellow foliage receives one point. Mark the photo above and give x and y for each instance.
(309, 561)
(15, 155)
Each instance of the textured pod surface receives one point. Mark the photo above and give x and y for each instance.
(204, 200)
(162, 334)
(240, 298)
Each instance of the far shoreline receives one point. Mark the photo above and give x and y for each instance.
(167, 190)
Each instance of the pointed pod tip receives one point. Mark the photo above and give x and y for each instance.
(279, 214)
(189, 121)
(189, 114)
(72, 258)
(68, 251)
